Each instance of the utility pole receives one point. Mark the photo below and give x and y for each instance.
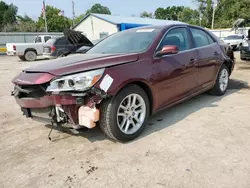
(73, 13)
(214, 7)
(44, 16)
(200, 18)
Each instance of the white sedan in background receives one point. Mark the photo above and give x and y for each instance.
(235, 41)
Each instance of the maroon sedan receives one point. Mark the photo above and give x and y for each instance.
(124, 79)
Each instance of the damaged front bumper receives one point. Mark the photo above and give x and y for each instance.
(72, 110)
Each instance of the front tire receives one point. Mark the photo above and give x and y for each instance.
(123, 117)
(222, 81)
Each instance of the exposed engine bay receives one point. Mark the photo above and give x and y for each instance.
(68, 109)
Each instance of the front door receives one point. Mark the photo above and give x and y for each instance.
(175, 75)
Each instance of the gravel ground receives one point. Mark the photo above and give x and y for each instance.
(203, 142)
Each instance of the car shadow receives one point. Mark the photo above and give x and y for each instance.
(37, 60)
(173, 115)
(161, 120)
(92, 135)
(244, 67)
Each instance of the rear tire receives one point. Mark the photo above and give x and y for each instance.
(30, 56)
(22, 58)
(123, 117)
(222, 81)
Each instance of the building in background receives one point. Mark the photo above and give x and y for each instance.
(96, 26)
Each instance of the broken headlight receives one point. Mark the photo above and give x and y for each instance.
(76, 82)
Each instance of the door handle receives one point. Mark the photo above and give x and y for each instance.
(192, 61)
(216, 53)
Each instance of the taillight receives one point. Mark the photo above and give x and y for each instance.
(53, 48)
(14, 47)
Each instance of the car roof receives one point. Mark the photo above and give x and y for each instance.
(158, 26)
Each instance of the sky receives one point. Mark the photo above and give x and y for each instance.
(123, 7)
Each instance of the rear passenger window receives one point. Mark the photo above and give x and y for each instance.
(38, 40)
(201, 38)
(62, 41)
(177, 37)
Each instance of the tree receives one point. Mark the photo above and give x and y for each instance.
(146, 15)
(205, 8)
(24, 18)
(96, 8)
(169, 13)
(190, 16)
(228, 11)
(7, 14)
(160, 13)
(26, 24)
(55, 22)
(174, 11)
(79, 18)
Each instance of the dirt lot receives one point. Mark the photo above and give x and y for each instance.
(204, 142)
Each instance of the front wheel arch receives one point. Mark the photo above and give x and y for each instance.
(30, 49)
(146, 89)
(229, 65)
(108, 114)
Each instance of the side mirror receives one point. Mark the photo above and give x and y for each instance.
(166, 50)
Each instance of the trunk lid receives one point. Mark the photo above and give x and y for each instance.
(76, 38)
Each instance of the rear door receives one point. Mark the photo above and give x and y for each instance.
(208, 56)
(38, 39)
(175, 75)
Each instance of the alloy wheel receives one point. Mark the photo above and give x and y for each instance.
(131, 113)
(223, 81)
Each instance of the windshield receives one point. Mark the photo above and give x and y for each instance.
(233, 37)
(130, 41)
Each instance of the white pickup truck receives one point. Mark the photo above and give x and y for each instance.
(28, 51)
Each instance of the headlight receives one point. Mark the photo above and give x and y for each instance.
(245, 44)
(76, 82)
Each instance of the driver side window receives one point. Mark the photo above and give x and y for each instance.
(178, 37)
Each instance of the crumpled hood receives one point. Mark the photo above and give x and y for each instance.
(80, 63)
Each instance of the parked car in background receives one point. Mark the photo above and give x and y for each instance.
(125, 78)
(69, 43)
(28, 51)
(228, 49)
(235, 41)
(81, 50)
(245, 50)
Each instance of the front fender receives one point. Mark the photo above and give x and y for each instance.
(122, 75)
